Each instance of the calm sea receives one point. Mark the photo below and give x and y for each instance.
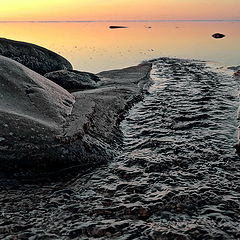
(92, 46)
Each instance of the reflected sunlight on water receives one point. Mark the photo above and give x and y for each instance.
(94, 47)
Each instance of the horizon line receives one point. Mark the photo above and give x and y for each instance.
(89, 21)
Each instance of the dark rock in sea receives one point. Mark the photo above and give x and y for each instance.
(218, 35)
(39, 59)
(115, 27)
(73, 80)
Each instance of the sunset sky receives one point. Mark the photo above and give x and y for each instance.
(27, 10)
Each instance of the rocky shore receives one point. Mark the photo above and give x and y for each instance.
(50, 135)
(62, 177)
(46, 128)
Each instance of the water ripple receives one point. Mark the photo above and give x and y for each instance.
(183, 136)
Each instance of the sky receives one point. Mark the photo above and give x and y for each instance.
(74, 10)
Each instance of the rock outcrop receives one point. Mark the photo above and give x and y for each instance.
(46, 128)
(39, 59)
(73, 80)
(218, 35)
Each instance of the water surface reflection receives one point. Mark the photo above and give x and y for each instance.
(92, 46)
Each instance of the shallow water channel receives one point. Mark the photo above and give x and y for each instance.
(182, 136)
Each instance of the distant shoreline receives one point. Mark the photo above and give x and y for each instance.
(130, 21)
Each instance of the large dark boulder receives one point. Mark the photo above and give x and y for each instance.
(32, 113)
(39, 59)
(44, 127)
(73, 80)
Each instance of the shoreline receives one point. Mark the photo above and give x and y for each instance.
(133, 195)
(89, 134)
(98, 113)
(63, 126)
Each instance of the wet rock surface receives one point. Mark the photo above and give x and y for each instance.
(38, 59)
(177, 177)
(73, 80)
(45, 128)
(32, 113)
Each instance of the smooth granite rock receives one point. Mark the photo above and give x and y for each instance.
(45, 128)
(32, 113)
(73, 80)
(39, 59)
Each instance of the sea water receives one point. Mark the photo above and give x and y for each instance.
(92, 46)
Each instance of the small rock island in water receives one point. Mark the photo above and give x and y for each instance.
(218, 35)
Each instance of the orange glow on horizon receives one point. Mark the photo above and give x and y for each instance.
(28, 10)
